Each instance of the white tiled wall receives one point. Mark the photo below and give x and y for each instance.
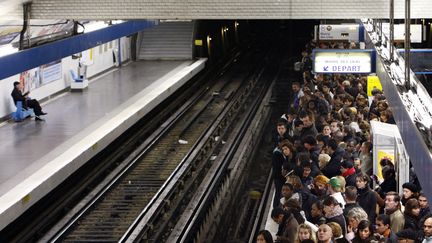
(225, 9)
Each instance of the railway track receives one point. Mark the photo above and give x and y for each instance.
(132, 201)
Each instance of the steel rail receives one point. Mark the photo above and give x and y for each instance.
(112, 179)
(195, 213)
(136, 232)
(116, 174)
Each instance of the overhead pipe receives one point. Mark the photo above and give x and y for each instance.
(407, 44)
(26, 25)
(391, 30)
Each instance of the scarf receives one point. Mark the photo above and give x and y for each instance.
(387, 233)
(390, 211)
(349, 172)
(337, 210)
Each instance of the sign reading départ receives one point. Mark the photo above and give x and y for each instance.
(343, 61)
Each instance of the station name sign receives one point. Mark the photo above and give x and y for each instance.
(343, 61)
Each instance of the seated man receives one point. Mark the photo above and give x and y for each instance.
(26, 102)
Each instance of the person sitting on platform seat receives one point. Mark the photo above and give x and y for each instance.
(17, 95)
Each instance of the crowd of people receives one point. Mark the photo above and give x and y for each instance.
(325, 189)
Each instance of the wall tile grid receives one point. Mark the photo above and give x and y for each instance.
(224, 9)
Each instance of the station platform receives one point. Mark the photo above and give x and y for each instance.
(36, 156)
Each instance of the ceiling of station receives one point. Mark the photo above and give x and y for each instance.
(224, 9)
(210, 9)
(11, 9)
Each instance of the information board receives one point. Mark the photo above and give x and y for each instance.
(347, 32)
(343, 61)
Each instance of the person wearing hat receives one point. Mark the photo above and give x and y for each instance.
(348, 172)
(17, 95)
(407, 236)
(410, 190)
(319, 188)
(335, 190)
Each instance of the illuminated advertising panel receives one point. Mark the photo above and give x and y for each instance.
(343, 61)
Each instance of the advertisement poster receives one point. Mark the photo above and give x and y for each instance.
(51, 72)
(381, 155)
(373, 82)
(30, 79)
(37, 77)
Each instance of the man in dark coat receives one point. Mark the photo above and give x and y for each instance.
(281, 132)
(382, 223)
(309, 128)
(350, 199)
(17, 95)
(288, 225)
(333, 167)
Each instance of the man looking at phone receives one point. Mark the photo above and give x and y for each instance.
(17, 95)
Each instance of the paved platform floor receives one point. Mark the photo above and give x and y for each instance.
(24, 143)
(36, 156)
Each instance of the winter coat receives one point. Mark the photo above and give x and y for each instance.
(397, 221)
(333, 167)
(337, 217)
(278, 160)
(287, 231)
(278, 138)
(388, 185)
(307, 200)
(308, 131)
(411, 223)
(367, 200)
(350, 177)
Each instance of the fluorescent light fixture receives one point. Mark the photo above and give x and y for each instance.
(92, 26)
(7, 49)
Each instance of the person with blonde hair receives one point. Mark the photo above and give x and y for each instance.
(325, 234)
(304, 232)
(323, 160)
(337, 232)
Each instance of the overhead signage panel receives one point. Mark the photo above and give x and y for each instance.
(343, 61)
(347, 32)
(399, 32)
